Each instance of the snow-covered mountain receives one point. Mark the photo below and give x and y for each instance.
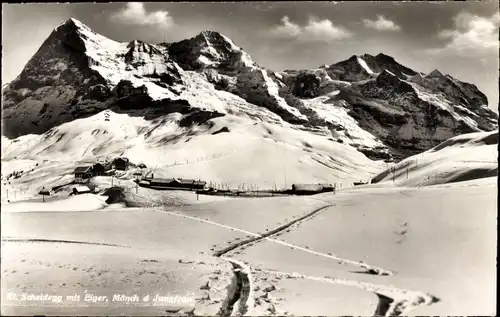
(370, 103)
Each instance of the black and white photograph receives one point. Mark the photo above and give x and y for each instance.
(249, 158)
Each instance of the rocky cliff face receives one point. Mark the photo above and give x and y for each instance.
(373, 103)
(407, 111)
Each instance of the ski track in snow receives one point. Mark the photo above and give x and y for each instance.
(29, 240)
(370, 268)
(392, 301)
(402, 300)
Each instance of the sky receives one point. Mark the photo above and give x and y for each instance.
(458, 38)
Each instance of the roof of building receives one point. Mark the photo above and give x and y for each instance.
(184, 181)
(325, 185)
(161, 180)
(83, 169)
(177, 180)
(121, 159)
(82, 189)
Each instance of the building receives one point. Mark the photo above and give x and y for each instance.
(360, 183)
(138, 176)
(310, 189)
(81, 190)
(327, 187)
(83, 172)
(98, 169)
(161, 182)
(176, 183)
(121, 163)
(199, 185)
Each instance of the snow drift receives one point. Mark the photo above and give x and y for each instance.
(465, 157)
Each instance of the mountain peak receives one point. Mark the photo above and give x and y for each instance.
(76, 22)
(212, 37)
(435, 73)
(382, 56)
(210, 32)
(72, 22)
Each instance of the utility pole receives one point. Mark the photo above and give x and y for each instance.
(285, 165)
(285, 178)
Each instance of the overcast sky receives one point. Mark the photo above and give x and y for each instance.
(458, 38)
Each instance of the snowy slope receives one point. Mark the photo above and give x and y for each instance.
(284, 155)
(465, 157)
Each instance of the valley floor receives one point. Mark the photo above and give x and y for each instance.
(368, 250)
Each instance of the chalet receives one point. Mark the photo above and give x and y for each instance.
(121, 163)
(83, 172)
(98, 169)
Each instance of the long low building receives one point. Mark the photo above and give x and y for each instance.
(174, 183)
(307, 189)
